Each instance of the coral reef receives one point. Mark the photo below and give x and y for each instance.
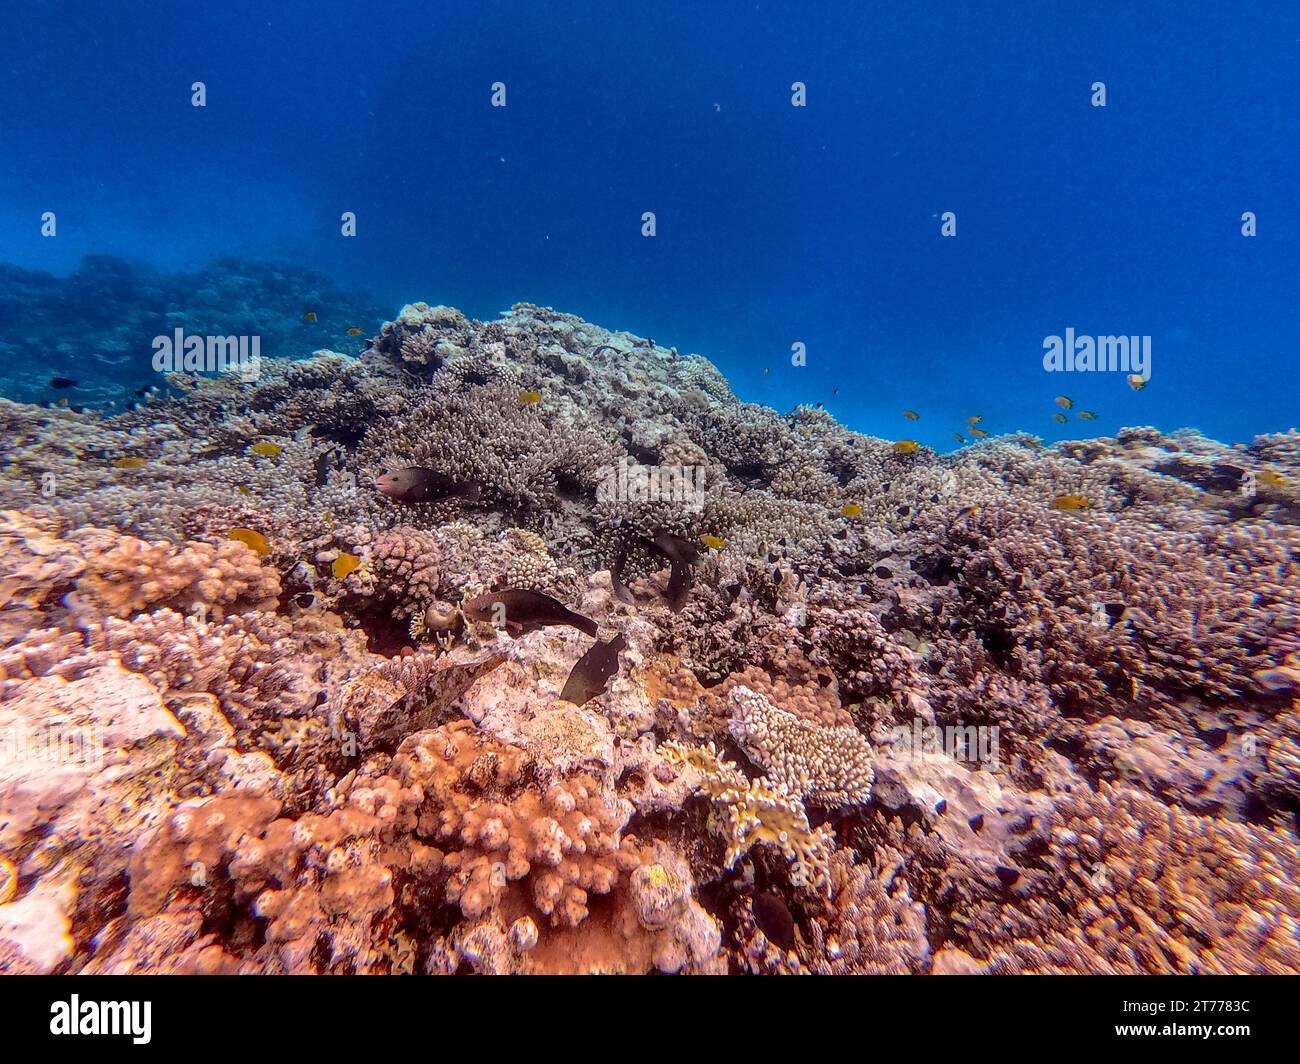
(249, 724)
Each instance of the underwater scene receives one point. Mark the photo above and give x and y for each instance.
(586, 488)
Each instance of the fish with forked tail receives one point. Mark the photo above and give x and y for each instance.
(593, 670)
(520, 611)
(417, 484)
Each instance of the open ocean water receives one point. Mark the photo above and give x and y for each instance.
(820, 224)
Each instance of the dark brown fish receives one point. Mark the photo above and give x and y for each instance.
(417, 484)
(680, 579)
(524, 611)
(593, 670)
(621, 591)
(676, 549)
(773, 918)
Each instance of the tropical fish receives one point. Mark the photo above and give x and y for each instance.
(1060, 417)
(621, 590)
(906, 446)
(979, 434)
(254, 541)
(524, 611)
(1064, 402)
(344, 565)
(266, 450)
(589, 676)
(773, 918)
(676, 549)
(1272, 478)
(959, 437)
(130, 462)
(765, 371)
(975, 420)
(1087, 415)
(309, 316)
(851, 509)
(1136, 381)
(681, 555)
(1071, 502)
(528, 398)
(417, 484)
(911, 415)
(713, 542)
(62, 382)
(354, 331)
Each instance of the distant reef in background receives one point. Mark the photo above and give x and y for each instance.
(97, 324)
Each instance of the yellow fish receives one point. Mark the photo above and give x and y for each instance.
(1070, 502)
(1060, 417)
(713, 542)
(344, 565)
(975, 420)
(906, 446)
(132, 462)
(254, 541)
(1136, 381)
(1087, 415)
(959, 437)
(530, 397)
(266, 450)
(979, 434)
(1064, 402)
(1272, 479)
(851, 509)
(354, 331)
(911, 415)
(309, 316)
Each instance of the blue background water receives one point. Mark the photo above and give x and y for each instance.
(775, 224)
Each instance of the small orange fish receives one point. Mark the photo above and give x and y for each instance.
(911, 415)
(354, 331)
(959, 437)
(975, 420)
(1060, 417)
(527, 398)
(1071, 502)
(1064, 402)
(254, 541)
(851, 509)
(344, 565)
(1087, 415)
(979, 434)
(131, 462)
(1272, 478)
(266, 450)
(309, 316)
(906, 446)
(1136, 381)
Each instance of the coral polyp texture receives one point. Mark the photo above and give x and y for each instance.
(250, 721)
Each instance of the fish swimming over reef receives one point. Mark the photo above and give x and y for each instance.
(593, 670)
(521, 611)
(682, 554)
(773, 918)
(417, 484)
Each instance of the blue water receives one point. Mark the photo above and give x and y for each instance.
(776, 224)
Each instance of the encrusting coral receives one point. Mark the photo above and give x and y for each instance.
(248, 727)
